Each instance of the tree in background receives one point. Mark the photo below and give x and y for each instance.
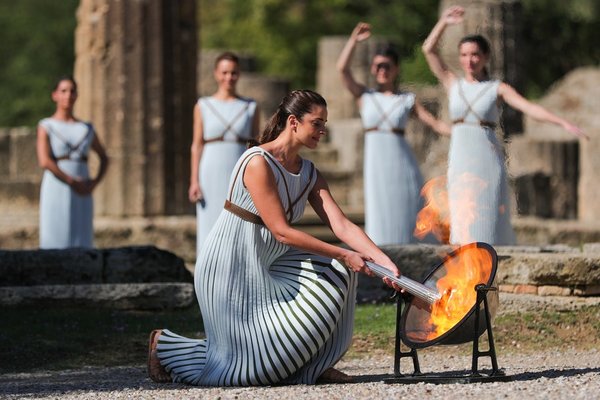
(37, 47)
(284, 34)
(559, 36)
(38, 36)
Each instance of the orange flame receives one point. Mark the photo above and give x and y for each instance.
(470, 268)
(433, 217)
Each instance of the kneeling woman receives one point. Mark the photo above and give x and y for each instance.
(277, 303)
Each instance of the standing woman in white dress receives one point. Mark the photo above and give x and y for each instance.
(63, 145)
(477, 182)
(277, 303)
(392, 179)
(223, 124)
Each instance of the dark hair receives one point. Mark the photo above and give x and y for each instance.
(227, 55)
(297, 103)
(64, 78)
(479, 40)
(482, 43)
(388, 50)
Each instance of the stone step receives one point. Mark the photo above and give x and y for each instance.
(124, 296)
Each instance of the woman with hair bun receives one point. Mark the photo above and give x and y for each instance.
(63, 145)
(392, 179)
(478, 194)
(277, 303)
(223, 124)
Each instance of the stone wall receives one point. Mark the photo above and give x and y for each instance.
(20, 175)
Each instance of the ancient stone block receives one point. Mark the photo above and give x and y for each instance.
(50, 267)
(525, 289)
(267, 92)
(143, 264)
(23, 159)
(137, 296)
(548, 290)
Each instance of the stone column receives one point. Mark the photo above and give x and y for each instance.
(136, 69)
(498, 21)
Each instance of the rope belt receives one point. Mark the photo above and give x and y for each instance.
(220, 139)
(81, 159)
(243, 213)
(397, 131)
(486, 124)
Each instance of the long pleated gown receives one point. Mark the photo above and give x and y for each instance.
(478, 194)
(272, 313)
(66, 218)
(226, 126)
(392, 179)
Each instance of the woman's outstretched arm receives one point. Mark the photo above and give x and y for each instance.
(450, 16)
(361, 32)
(428, 119)
(328, 210)
(536, 111)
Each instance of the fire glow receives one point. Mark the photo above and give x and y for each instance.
(434, 217)
(458, 289)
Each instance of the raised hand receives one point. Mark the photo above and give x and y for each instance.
(575, 130)
(453, 15)
(362, 31)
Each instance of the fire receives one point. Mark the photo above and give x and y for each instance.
(464, 271)
(434, 217)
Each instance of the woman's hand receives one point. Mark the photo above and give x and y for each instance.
(575, 130)
(362, 31)
(355, 261)
(195, 193)
(453, 15)
(81, 187)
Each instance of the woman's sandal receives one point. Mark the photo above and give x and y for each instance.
(332, 375)
(156, 371)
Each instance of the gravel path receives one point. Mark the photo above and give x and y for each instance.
(551, 374)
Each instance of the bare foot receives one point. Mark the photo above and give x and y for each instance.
(332, 375)
(156, 371)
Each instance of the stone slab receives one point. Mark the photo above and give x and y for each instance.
(138, 296)
(134, 264)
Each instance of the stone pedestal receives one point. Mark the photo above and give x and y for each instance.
(498, 21)
(136, 69)
(546, 175)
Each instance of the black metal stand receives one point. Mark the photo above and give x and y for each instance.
(452, 377)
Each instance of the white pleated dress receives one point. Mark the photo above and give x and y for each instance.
(226, 126)
(272, 313)
(478, 192)
(392, 179)
(66, 218)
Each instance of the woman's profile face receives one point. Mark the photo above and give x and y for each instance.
(65, 94)
(226, 74)
(311, 127)
(472, 59)
(384, 69)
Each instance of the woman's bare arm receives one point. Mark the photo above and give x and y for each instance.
(361, 32)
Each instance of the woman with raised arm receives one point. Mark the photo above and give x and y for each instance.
(392, 179)
(223, 124)
(277, 303)
(63, 145)
(477, 183)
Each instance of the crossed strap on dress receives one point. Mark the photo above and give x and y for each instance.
(228, 125)
(249, 215)
(470, 104)
(383, 117)
(72, 148)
